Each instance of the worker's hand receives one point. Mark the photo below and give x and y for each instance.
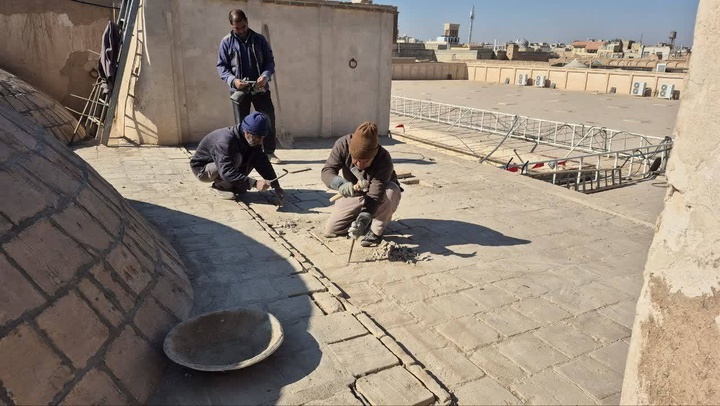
(280, 194)
(240, 84)
(261, 83)
(359, 227)
(363, 184)
(262, 184)
(347, 189)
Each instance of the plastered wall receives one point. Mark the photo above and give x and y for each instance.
(674, 353)
(46, 43)
(172, 93)
(590, 80)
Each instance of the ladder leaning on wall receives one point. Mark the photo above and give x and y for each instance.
(99, 110)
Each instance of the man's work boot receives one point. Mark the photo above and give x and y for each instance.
(273, 158)
(371, 239)
(223, 190)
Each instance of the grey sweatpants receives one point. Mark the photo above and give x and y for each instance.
(346, 210)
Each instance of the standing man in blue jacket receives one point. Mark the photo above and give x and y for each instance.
(245, 56)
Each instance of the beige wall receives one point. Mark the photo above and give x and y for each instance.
(429, 71)
(45, 43)
(177, 95)
(674, 353)
(591, 80)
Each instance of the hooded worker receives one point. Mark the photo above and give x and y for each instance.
(226, 157)
(368, 185)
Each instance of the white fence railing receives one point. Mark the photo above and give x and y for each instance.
(575, 137)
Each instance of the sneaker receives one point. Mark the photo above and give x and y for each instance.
(332, 235)
(274, 159)
(222, 192)
(371, 239)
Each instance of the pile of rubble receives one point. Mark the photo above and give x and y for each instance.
(397, 253)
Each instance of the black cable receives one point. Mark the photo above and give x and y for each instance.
(95, 4)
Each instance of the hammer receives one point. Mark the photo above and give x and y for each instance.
(361, 186)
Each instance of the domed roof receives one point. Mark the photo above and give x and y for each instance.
(89, 287)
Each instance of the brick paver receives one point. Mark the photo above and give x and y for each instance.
(500, 313)
(395, 386)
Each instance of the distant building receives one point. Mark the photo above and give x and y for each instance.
(661, 51)
(406, 39)
(611, 49)
(451, 34)
(589, 48)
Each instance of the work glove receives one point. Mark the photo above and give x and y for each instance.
(262, 184)
(360, 226)
(280, 194)
(347, 189)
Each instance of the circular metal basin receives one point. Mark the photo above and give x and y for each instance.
(224, 340)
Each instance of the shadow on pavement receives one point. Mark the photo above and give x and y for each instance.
(229, 269)
(447, 237)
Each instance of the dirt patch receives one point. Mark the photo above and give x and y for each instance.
(680, 360)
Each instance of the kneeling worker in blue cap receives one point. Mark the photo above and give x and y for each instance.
(226, 157)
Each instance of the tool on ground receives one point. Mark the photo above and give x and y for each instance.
(357, 229)
(362, 184)
(286, 172)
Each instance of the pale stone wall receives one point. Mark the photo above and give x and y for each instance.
(674, 354)
(429, 71)
(17, 95)
(590, 80)
(89, 287)
(175, 95)
(46, 43)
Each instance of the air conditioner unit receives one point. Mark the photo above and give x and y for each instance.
(522, 79)
(666, 91)
(661, 67)
(638, 88)
(540, 81)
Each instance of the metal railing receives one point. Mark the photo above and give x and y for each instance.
(575, 137)
(637, 160)
(585, 180)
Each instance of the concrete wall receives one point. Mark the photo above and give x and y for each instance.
(455, 54)
(429, 71)
(46, 42)
(175, 95)
(674, 355)
(591, 80)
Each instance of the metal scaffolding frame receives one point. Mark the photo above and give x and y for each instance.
(575, 137)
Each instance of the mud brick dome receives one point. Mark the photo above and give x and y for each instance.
(20, 96)
(89, 287)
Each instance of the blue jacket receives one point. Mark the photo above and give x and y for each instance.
(249, 59)
(221, 146)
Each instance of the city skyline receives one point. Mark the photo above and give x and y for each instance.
(649, 20)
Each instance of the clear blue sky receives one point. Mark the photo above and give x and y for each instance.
(550, 20)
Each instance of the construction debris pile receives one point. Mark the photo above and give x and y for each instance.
(397, 253)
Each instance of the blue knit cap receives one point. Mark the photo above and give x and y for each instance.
(256, 123)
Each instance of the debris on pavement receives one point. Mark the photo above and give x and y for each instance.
(394, 252)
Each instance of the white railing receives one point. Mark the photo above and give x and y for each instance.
(575, 137)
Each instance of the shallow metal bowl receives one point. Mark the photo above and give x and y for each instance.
(224, 340)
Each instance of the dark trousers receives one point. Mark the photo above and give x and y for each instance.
(261, 102)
